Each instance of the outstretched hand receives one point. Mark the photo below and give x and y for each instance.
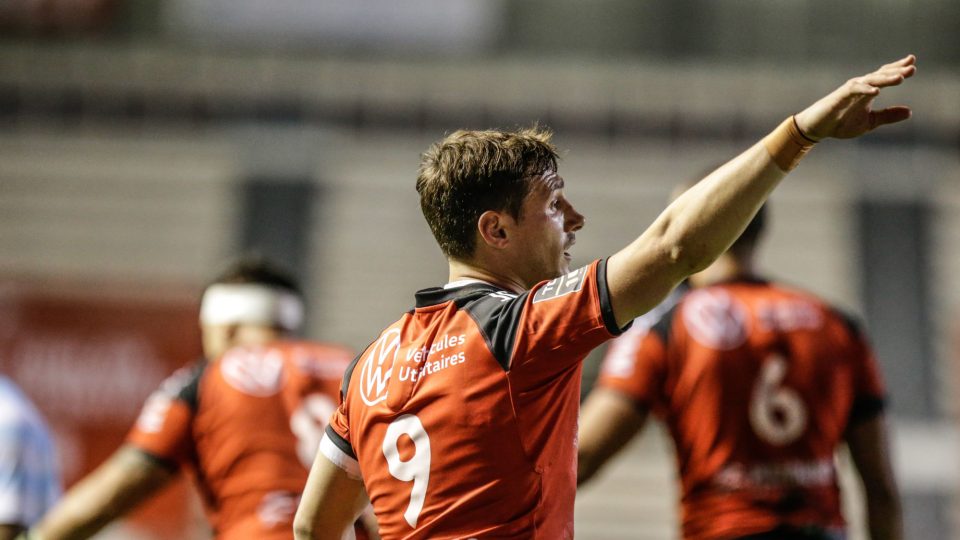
(846, 112)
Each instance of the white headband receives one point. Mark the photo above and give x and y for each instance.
(251, 304)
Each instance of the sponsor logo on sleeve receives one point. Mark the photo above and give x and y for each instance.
(378, 366)
(154, 413)
(568, 283)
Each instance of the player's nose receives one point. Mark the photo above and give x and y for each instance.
(574, 221)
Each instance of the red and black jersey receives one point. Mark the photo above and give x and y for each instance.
(757, 384)
(461, 417)
(248, 424)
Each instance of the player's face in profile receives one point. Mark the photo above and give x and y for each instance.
(547, 229)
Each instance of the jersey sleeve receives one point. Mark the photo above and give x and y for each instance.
(336, 447)
(552, 326)
(635, 366)
(163, 429)
(335, 444)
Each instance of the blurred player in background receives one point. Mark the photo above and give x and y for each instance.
(29, 471)
(246, 424)
(460, 419)
(758, 384)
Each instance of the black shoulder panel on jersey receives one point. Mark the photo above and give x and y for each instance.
(664, 325)
(851, 320)
(190, 392)
(497, 314)
(349, 372)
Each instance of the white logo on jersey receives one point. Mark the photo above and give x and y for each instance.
(253, 372)
(154, 413)
(570, 282)
(503, 296)
(378, 366)
(715, 319)
(277, 507)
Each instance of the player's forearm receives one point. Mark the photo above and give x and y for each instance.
(608, 421)
(76, 517)
(702, 223)
(116, 487)
(884, 516)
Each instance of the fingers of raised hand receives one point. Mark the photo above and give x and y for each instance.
(897, 71)
(871, 83)
(861, 87)
(907, 60)
(889, 115)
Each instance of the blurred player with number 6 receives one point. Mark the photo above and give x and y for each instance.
(759, 384)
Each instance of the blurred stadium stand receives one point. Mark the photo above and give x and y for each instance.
(143, 147)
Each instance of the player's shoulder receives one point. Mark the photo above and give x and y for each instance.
(386, 343)
(183, 384)
(831, 310)
(317, 349)
(319, 359)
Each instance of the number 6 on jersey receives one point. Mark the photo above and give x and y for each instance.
(417, 469)
(777, 413)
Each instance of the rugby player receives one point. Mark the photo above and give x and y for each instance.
(759, 384)
(460, 419)
(246, 424)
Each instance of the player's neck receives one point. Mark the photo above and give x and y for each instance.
(727, 268)
(463, 270)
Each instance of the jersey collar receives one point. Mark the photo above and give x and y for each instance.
(458, 291)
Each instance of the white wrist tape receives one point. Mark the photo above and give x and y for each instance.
(251, 304)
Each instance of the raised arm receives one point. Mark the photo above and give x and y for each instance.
(702, 223)
(122, 482)
(871, 456)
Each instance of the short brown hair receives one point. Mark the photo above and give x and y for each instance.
(470, 172)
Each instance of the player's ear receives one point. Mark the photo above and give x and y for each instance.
(232, 333)
(492, 227)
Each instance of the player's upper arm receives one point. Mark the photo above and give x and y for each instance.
(331, 502)
(121, 483)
